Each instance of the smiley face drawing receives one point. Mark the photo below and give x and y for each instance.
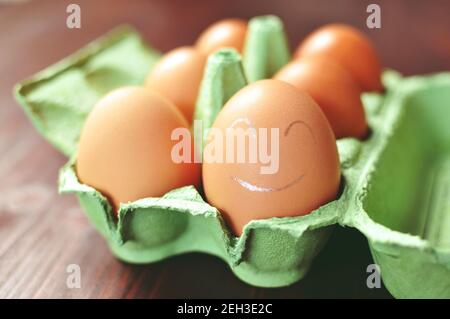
(307, 172)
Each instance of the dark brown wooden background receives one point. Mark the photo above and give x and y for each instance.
(41, 233)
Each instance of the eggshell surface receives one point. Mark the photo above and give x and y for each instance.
(307, 174)
(125, 147)
(227, 33)
(350, 48)
(177, 76)
(334, 89)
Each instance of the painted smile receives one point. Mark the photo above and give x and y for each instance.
(255, 188)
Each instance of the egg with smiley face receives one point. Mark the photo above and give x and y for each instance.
(287, 164)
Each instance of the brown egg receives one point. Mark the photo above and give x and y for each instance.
(300, 176)
(227, 33)
(350, 48)
(177, 76)
(334, 89)
(125, 147)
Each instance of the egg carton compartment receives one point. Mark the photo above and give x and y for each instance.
(385, 177)
(415, 165)
(404, 196)
(58, 99)
(270, 253)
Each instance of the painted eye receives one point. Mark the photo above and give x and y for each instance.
(334, 90)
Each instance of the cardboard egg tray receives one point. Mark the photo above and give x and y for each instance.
(395, 189)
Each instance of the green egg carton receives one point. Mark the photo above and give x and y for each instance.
(395, 189)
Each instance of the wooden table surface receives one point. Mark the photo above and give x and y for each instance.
(41, 233)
